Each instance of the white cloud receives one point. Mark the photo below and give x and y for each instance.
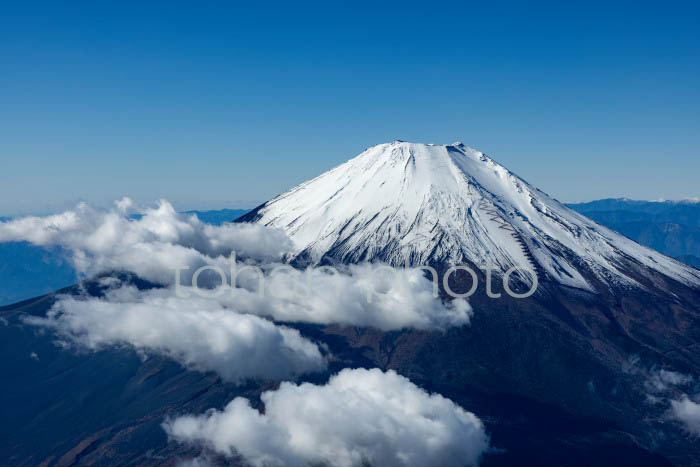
(661, 380)
(688, 412)
(359, 417)
(150, 245)
(361, 295)
(231, 334)
(153, 245)
(198, 333)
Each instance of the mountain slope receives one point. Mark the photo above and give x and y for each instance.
(411, 204)
(591, 356)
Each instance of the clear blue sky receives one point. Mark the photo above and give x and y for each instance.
(225, 106)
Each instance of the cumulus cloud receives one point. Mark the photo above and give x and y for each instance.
(198, 333)
(687, 411)
(360, 417)
(150, 244)
(227, 331)
(159, 241)
(360, 295)
(230, 333)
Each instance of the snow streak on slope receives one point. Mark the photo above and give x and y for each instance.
(411, 204)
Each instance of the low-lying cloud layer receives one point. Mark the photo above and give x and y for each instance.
(361, 295)
(150, 244)
(159, 241)
(197, 333)
(360, 417)
(231, 333)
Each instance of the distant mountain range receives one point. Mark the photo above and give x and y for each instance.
(671, 227)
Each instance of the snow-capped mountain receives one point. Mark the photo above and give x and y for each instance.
(411, 204)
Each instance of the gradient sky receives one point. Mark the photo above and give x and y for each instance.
(225, 106)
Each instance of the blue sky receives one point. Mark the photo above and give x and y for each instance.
(220, 105)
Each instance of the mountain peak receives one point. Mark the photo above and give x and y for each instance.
(412, 146)
(434, 160)
(411, 204)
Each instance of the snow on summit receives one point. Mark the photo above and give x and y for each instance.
(410, 204)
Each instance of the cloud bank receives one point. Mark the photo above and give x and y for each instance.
(150, 245)
(199, 334)
(231, 333)
(155, 243)
(360, 417)
(360, 295)
(229, 330)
